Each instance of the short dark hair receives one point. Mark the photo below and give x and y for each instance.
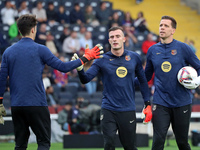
(25, 23)
(50, 3)
(174, 23)
(116, 28)
(68, 103)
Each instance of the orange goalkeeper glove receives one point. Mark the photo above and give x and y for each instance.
(94, 53)
(147, 113)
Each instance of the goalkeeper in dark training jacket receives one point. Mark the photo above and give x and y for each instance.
(171, 100)
(118, 69)
(24, 62)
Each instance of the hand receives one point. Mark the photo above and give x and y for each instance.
(147, 114)
(94, 53)
(1, 120)
(191, 84)
(74, 57)
(2, 110)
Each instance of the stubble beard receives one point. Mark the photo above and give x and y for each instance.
(116, 48)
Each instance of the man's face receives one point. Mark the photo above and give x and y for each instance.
(116, 39)
(165, 29)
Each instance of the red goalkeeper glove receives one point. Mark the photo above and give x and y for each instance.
(147, 113)
(94, 53)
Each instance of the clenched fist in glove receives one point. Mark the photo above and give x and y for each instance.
(93, 53)
(147, 112)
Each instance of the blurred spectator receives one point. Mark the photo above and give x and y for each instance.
(63, 116)
(138, 1)
(87, 39)
(82, 31)
(103, 14)
(60, 78)
(129, 31)
(41, 35)
(191, 44)
(40, 12)
(52, 99)
(76, 15)
(48, 72)
(148, 43)
(90, 17)
(74, 120)
(90, 115)
(128, 20)
(115, 19)
(91, 86)
(65, 33)
(8, 13)
(51, 44)
(23, 9)
(3, 44)
(52, 15)
(46, 81)
(140, 23)
(114, 24)
(71, 45)
(129, 45)
(62, 17)
(13, 31)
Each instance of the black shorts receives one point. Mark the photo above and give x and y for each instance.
(178, 117)
(36, 117)
(124, 123)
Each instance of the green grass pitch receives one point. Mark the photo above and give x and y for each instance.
(59, 146)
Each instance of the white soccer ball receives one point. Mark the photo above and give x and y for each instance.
(186, 73)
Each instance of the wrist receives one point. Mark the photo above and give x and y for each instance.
(83, 59)
(147, 103)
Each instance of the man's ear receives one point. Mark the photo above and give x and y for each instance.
(32, 30)
(173, 31)
(124, 40)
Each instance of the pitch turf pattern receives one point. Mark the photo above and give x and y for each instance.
(59, 146)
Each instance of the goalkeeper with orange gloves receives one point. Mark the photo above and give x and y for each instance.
(24, 62)
(118, 69)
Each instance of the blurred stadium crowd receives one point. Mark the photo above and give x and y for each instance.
(65, 27)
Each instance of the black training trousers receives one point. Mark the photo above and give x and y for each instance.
(179, 118)
(36, 117)
(124, 123)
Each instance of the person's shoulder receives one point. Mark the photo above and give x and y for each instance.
(42, 47)
(178, 42)
(181, 44)
(156, 45)
(131, 53)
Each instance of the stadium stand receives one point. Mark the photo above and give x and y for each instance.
(52, 110)
(190, 23)
(196, 108)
